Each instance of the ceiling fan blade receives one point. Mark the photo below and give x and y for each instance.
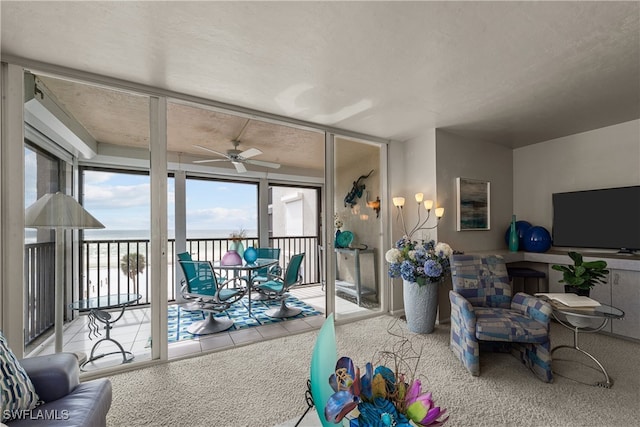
(210, 160)
(263, 163)
(239, 167)
(250, 153)
(212, 151)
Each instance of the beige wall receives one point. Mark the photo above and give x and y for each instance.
(603, 158)
(460, 157)
(412, 169)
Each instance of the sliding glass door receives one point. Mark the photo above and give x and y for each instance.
(358, 226)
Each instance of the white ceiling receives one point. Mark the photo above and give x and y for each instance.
(512, 73)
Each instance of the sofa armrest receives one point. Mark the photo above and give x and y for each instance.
(466, 313)
(53, 376)
(532, 307)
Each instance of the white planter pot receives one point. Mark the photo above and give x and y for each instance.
(420, 306)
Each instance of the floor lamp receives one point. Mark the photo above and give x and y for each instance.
(60, 212)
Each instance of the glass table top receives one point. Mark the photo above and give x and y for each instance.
(601, 311)
(106, 301)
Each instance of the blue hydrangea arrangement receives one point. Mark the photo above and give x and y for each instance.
(419, 262)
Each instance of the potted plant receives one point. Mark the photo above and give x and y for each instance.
(580, 277)
(422, 267)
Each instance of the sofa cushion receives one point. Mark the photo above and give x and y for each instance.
(18, 392)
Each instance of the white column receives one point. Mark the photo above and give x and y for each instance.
(327, 222)
(12, 207)
(159, 235)
(180, 214)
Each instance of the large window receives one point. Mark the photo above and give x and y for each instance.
(41, 176)
(215, 209)
(120, 201)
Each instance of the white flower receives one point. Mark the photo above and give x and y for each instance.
(412, 255)
(393, 255)
(443, 250)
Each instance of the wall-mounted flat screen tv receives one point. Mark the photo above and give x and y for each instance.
(607, 219)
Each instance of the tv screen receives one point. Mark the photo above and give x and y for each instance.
(607, 218)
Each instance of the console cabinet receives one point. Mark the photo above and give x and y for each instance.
(622, 291)
(625, 294)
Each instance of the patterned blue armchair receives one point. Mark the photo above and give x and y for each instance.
(483, 315)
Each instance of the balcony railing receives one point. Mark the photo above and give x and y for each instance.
(39, 276)
(111, 267)
(108, 267)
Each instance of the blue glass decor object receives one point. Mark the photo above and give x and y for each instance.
(521, 227)
(323, 364)
(537, 239)
(250, 255)
(344, 239)
(513, 235)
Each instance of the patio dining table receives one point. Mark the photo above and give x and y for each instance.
(249, 269)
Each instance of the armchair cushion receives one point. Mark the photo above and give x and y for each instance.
(499, 324)
(17, 392)
(533, 307)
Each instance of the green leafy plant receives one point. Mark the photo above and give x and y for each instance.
(582, 275)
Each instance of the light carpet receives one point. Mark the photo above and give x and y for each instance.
(263, 384)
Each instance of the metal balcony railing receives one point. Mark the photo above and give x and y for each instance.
(39, 276)
(121, 266)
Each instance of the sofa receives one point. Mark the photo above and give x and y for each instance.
(67, 401)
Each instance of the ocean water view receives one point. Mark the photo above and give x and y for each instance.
(107, 249)
(30, 234)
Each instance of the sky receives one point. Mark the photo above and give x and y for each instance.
(122, 201)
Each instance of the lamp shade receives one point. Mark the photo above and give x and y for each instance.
(59, 211)
(398, 202)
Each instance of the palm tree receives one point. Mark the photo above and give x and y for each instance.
(132, 265)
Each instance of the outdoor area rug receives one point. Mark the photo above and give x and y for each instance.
(180, 319)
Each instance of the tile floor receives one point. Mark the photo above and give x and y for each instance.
(133, 332)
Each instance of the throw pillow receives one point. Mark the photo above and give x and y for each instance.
(17, 390)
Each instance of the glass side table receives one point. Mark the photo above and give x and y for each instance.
(97, 307)
(585, 320)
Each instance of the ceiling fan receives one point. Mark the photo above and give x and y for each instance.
(238, 158)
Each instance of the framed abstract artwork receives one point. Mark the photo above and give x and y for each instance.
(473, 204)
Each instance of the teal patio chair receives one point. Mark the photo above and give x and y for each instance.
(207, 294)
(265, 274)
(277, 288)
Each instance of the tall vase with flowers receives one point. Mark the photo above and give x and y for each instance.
(235, 249)
(422, 267)
(236, 241)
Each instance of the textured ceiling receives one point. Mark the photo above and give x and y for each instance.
(512, 73)
(122, 118)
